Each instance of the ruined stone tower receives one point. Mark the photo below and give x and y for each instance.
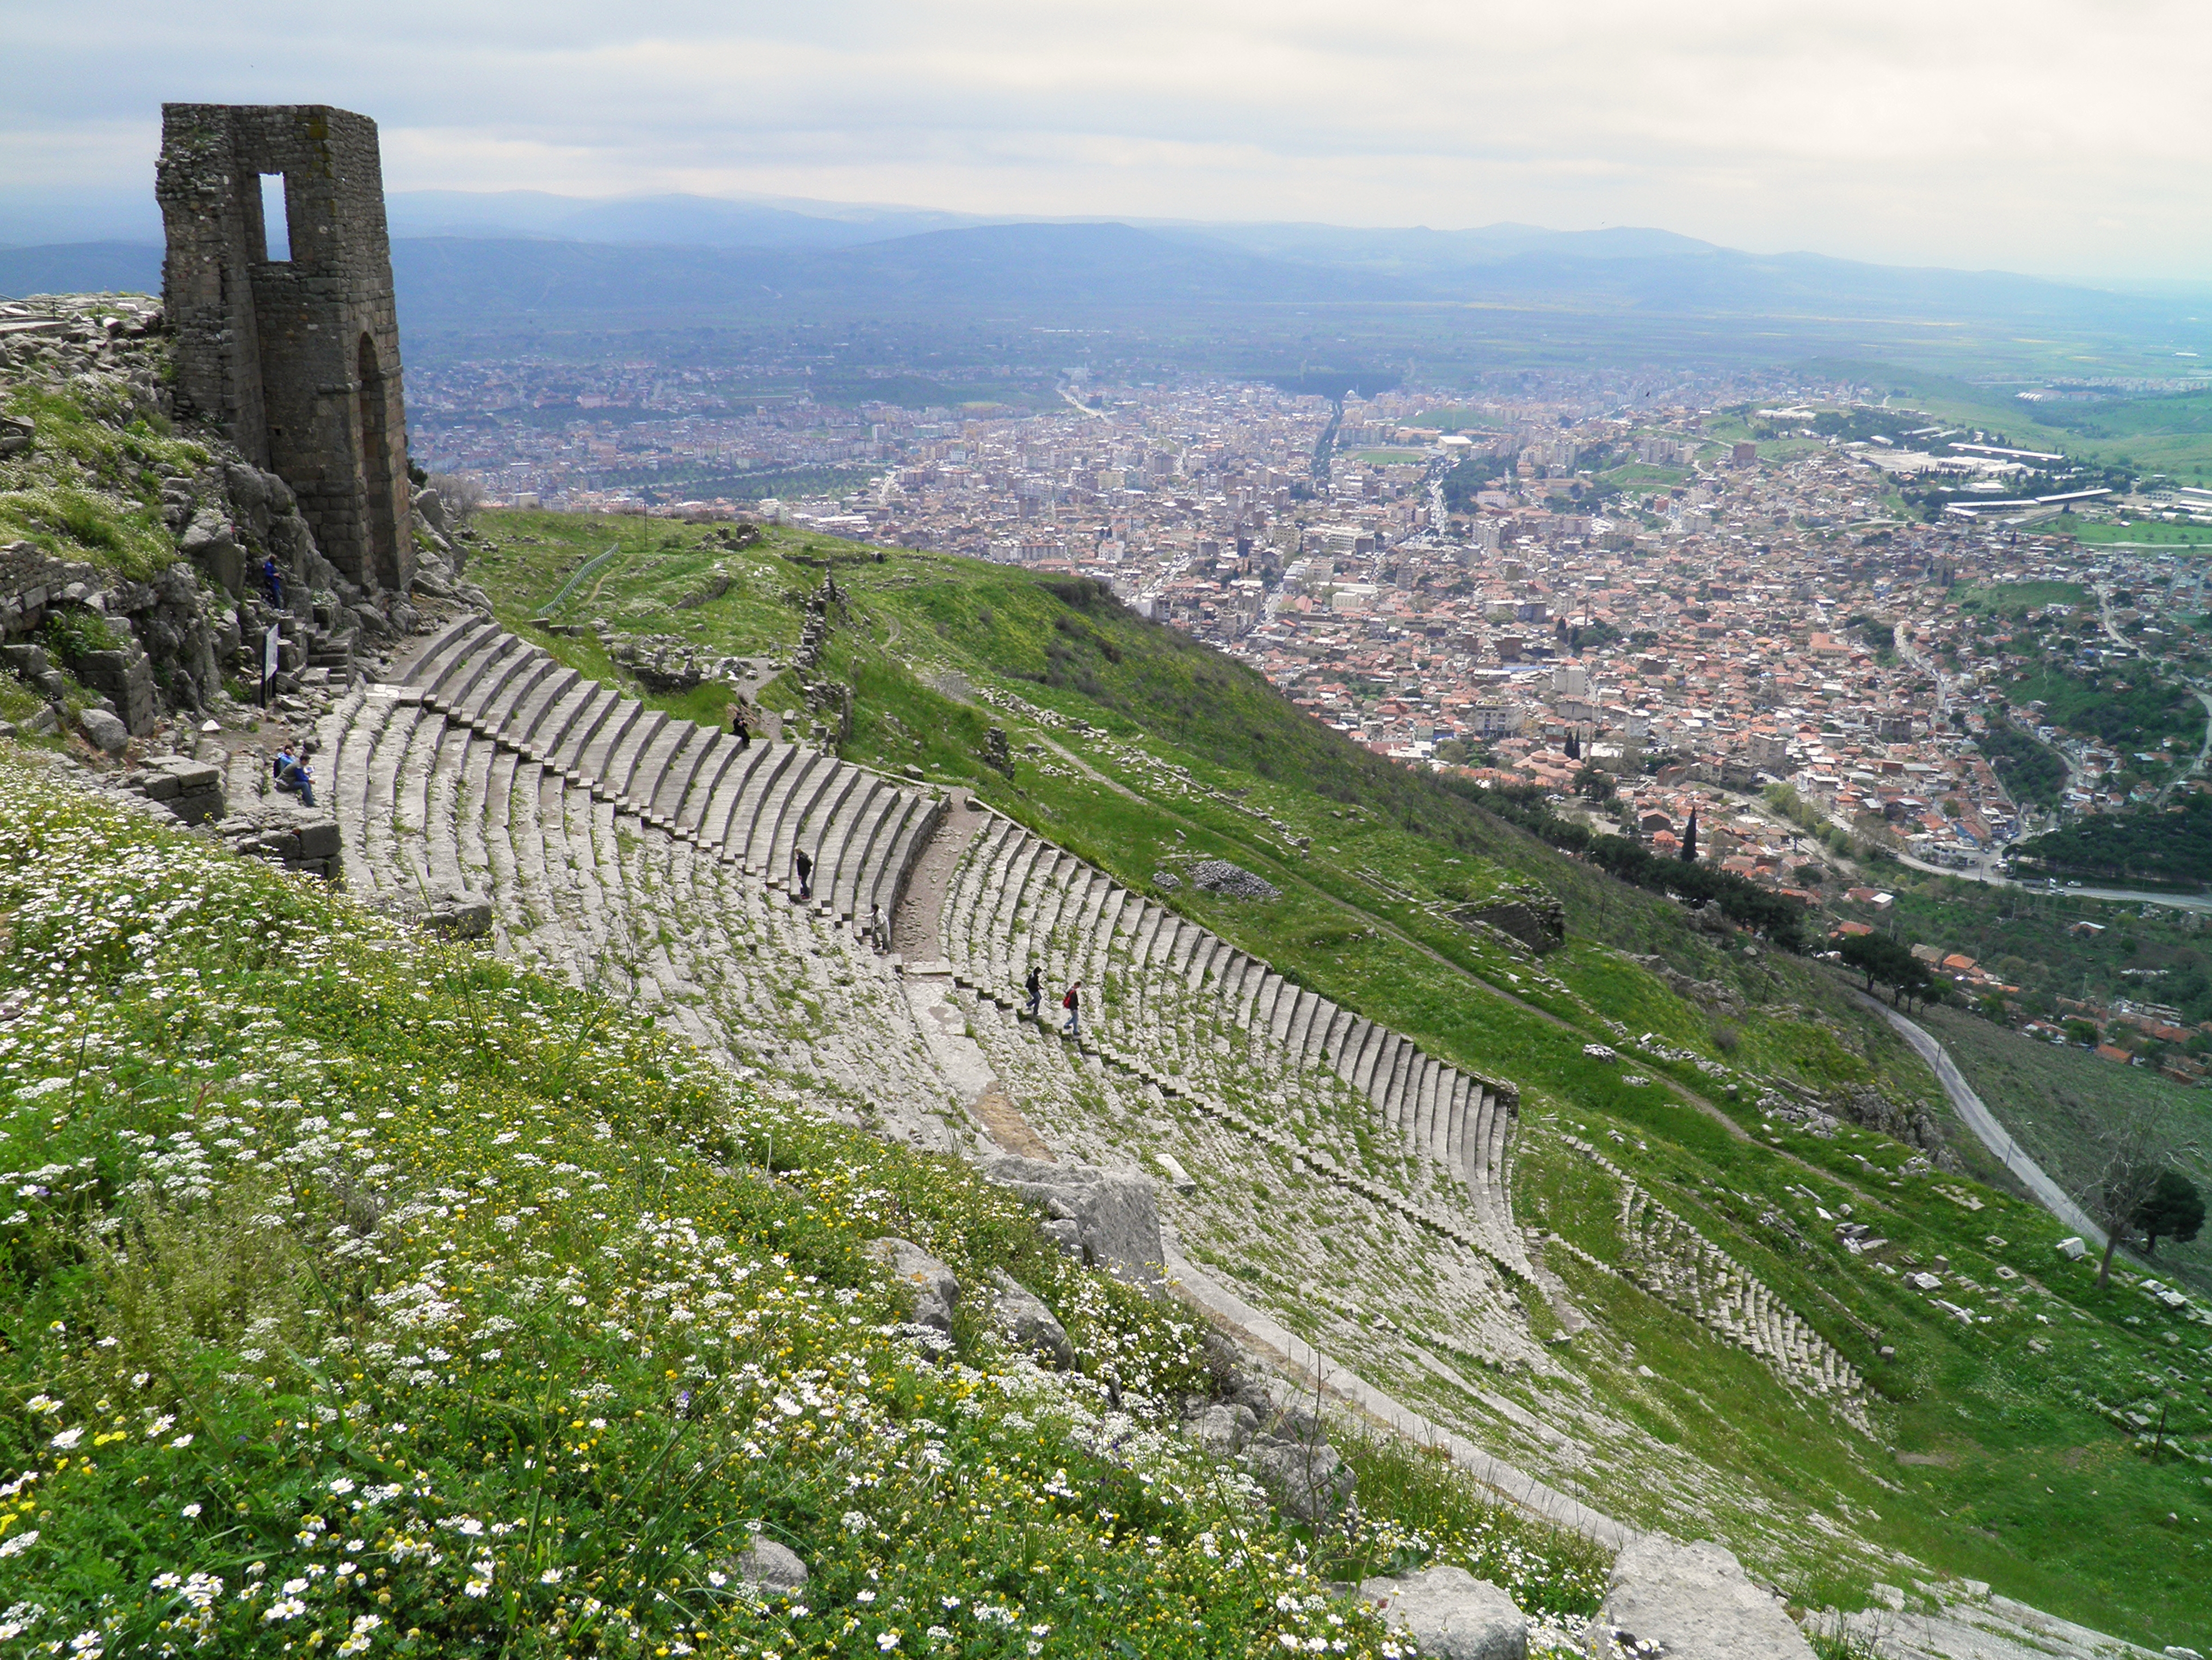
(285, 332)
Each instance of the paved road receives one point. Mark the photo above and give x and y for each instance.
(1984, 1123)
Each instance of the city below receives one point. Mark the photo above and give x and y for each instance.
(1656, 617)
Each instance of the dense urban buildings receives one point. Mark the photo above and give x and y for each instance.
(1653, 616)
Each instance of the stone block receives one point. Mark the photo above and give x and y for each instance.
(769, 1566)
(193, 777)
(160, 787)
(1697, 1603)
(198, 808)
(1022, 1315)
(28, 662)
(1116, 1216)
(1450, 1614)
(125, 679)
(459, 915)
(104, 731)
(320, 839)
(936, 1290)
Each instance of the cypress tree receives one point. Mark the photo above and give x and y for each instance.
(1689, 839)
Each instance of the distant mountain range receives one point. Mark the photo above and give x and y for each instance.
(460, 256)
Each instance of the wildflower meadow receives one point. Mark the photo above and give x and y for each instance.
(367, 1296)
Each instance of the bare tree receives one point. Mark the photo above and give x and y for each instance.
(2136, 1147)
(461, 493)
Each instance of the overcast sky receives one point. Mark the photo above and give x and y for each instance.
(2031, 134)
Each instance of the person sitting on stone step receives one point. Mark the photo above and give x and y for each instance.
(738, 729)
(303, 780)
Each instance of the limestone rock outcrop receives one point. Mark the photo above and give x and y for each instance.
(1450, 1614)
(1696, 1602)
(1108, 1219)
(935, 1288)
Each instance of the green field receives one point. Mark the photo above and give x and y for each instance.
(2169, 435)
(2017, 598)
(1180, 754)
(1641, 475)
(1390, 458)
(2136, 533)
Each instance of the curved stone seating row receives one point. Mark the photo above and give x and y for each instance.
(1214, 1021)
(1667, 1257)
(757, 805)
(582, 890)
(1259, 1204)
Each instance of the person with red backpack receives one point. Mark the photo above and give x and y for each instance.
(1073, 1002)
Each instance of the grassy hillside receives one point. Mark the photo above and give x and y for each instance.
(1142, 751)
(365, 1297)
(2052, 1097)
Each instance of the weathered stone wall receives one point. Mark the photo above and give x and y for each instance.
(297, 359)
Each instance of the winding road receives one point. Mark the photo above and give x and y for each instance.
(1980, 1120)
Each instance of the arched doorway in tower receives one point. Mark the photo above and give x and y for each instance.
(376, 467)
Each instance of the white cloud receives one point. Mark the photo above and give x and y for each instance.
(2047, 134)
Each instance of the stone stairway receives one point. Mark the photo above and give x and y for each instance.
(1180, 1007)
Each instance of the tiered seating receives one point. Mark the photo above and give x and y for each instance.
(494, 768)
(1670, 1259)
(756, 808)
(585, 891)
(1265, 1212)
(1178, 1003)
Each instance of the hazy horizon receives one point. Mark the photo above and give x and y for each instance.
(2032, 138)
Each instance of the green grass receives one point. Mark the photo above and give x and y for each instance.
(430, 1308)
(2137, 533)
(1639, 475)
(2051, 1098)
(2018, 598)
(1181, 753)
(90, 486)
(1388, 458)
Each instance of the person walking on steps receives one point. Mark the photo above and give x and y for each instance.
(1073, 1002)
(1035, 986)
(804, 866)
(275, 579)
(738, 729)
